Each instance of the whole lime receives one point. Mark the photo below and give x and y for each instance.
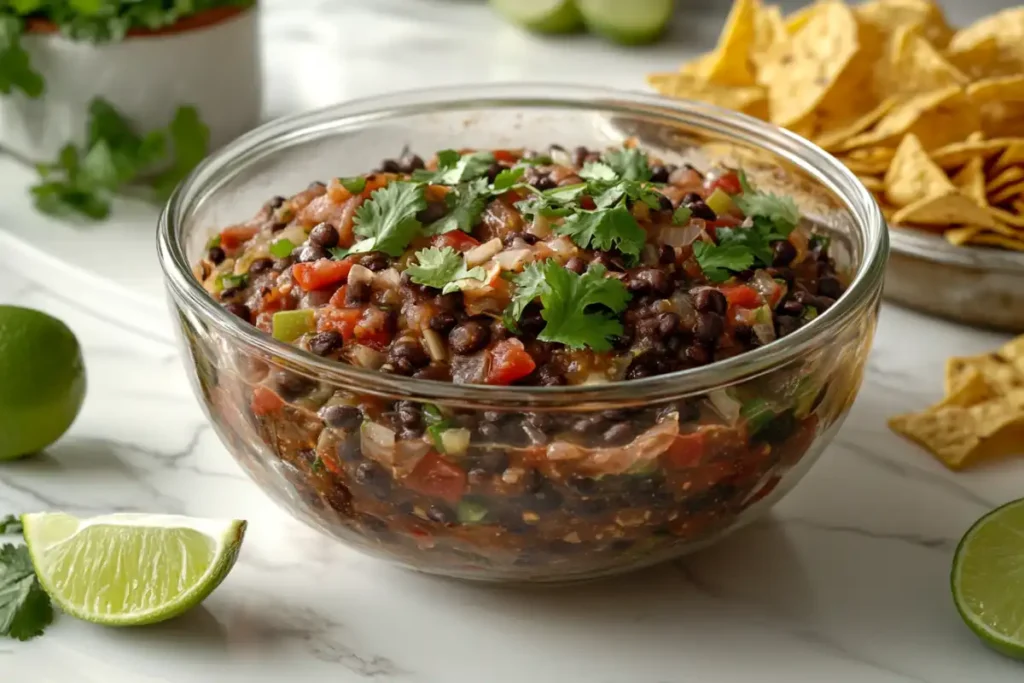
(42, 380)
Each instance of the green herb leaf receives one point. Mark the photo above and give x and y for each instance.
(681, 216)
(339, 253)
(190, 140)
(442, 269)
(317, 466)
(753, 239)
(388, 220)
(435, 430)
(628, 164)
(605, 229)
(354, 185)
(25, 609)
(282, 248)
(453, 169)
(507, 179)
(529, 285)
(228, 281)
(758, 413)
(15, 71)
(466, 203)
(10, 524)
(719, 262)
(595, 170)
(774, 215)
(554, 203)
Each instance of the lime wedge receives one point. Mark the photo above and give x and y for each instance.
(130, 569)
(542, 16)
(988, 579)
(630, 22)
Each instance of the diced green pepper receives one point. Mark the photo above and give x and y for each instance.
(455, 441)
(213, 242)
(758, 413)
(228, 281)
(720, 202)
(282, 248)
(354, 185)
(471, 512)
(290, 325)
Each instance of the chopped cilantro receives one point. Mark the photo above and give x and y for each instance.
(606, 196)
(317, 466)
(190, 142)
(442, 269)
(10, 524)
(282, 248)
(628, 164)
(227, 281)
(681, 216)
(595, 170)
(507, 179)
(554, 203)
(435, 430)
(753, 239)
(453, 169)
(15, 70)
(579, 310)
(339, 253)
(820, 241)
(466, 203)
(354, 185)
(773, 215)
(605, 229)
(717, 261)
(388, 220)
(25, 608)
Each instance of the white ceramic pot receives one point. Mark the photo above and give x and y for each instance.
(210, 61)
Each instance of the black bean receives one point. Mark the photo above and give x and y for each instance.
(709, 300)
(375, 261)
(407, 355)
(659, 174)
(668, 324)
(341, 417)
(326, 343)
(409, 414)
(790, 307)
(283, 264)
(276, 202)
(239, 310)
(708, 328)
(231, 293)
(783, 253)
(440, 513)
(443, 322)
(410, 162)
(290, 386)
(216, 255)
(488, 431)
(477, 477)
(698, 355)
(358, 292)
(824, 303)
(469, 337)
(639, 369)
(493, 170)
(590, 507)
(782, 273)
(373, 477)
(492, 461)
(531, 323)
(548, 376)
(513, 237)
(745, 275)
(664, 203)
(317, 185)
(435, 211)
(666, 255)
(581, 484)
(576, 265)
(581, 155)
(532, 481)
(278, 226)
(309, 253)
(439, 372)
(389, 166)
(546, 498)
(786, 324)
(324, 235)
(699, 209)
(618, 435)
(535, 436)
(830, 286)
(590, 425)
(498, 330)
(349, 449)
(649, 281)
(260, 265)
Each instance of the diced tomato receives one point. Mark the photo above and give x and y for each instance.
(338, 298)
(505, 155)
(686, 451)
(509, 362)
(435, 476)
(265, 401)
(341, 320)
(372, 329)
(237, 235)
(587, 203)
(741, 296)
(456, 239)
(729, 182)
(322, 273)
(724, 221)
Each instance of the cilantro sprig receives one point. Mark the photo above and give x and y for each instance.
(466, 203)
(84, 180)
(605, 229)
(579, 310)
(388, 222)
(453, 168)
(25, 608)
(10, 524)
(442, 269)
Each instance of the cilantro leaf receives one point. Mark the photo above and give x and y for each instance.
(595, 170)
(529, 285)
(15, 71)
(25, 608)
(554, 203)
(718, 260)
(605, 229)
(772, 214)
(388, 220)
(453, 169)
(580, 309)
(10, 524)
(681, 216)
(507, 179)
(466, 203)
(753, 239)
(628, 164)
(190, 139)
(354, 185)
(442, 269)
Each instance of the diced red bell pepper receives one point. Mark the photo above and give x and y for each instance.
(341, 320)
(237, 235)
(505, 155)
(456, 239)
(265, 401)
(725, 221)
(435, 476)
(686, 451)
(372, 329)
(729, 182)
(322, 273)
(741, 296)
(509, 362)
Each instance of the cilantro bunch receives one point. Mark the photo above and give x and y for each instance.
(115, 157)
(772, 218)
(25, 608)
(84, 20)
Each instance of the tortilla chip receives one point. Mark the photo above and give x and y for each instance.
(975, 60)
(1005, 217)
(1006, 29)
(1008, 193)
(1000, 103)
(1013, 154)
(801, 75)
(953, 208)
(872, 183)
(833, 136)
(911, 115)
(922, 16)
(1013, 352)
(1007, 177)
(1018, 206)
(965, 387)
(912, 175)
(971, 180)
(749, 100)
(961, 236)
(948, 433)
(1011, 243)
(730, 64)
(914, 66)
(957, 154)
(770, 35)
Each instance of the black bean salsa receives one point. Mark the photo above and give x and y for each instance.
(510, 267)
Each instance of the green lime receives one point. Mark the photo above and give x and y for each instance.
(42, 380)
(542, 16)
(988, 579)
(630, 22)
(130, 569)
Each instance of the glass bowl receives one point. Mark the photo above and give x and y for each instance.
(528, 498)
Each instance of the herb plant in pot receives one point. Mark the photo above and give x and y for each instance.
(163, 72)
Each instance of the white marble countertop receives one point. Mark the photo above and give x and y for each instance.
(846, 582)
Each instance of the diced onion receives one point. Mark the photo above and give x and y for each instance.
(377, 442)
(540, 227)
(483, 253)
(360, 273)
(470, 369)
(389, 278)
(435, 346)
(683, 235)
(725, 405)
(365, 357)
(513, 258)
(563, 245)
(455, 441)
(407, 454)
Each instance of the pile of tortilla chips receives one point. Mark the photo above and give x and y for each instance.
(982, 415)
(930, 119)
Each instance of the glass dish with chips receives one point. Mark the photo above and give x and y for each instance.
(509, 477)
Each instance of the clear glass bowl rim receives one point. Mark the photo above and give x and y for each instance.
(234, 158)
